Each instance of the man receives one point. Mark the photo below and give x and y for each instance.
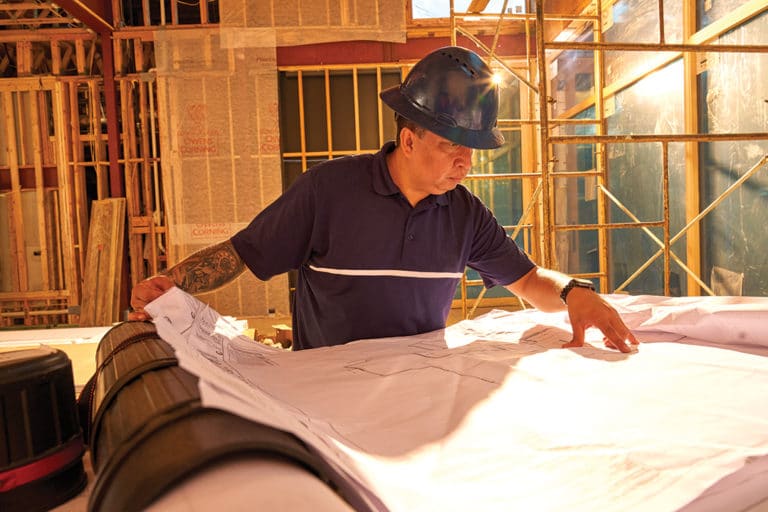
(381, 241)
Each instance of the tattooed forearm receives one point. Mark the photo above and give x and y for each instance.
(207, 269)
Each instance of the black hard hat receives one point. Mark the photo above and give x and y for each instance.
(450, 92)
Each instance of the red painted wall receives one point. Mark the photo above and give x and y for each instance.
(362, 52)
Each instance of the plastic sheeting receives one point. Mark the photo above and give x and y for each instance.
(218, 109)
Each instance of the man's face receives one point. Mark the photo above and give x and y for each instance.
(438, 164)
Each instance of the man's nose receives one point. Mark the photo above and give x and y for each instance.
(464, 157)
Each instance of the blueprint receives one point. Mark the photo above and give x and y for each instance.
(492, 414)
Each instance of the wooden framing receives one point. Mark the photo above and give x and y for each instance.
(33, 15)
(691, 150)
(69, 164)
(37, 228)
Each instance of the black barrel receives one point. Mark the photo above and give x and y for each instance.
(149, 431)
(41, 445)
(127, 359)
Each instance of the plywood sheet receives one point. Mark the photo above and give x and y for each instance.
(104, 263)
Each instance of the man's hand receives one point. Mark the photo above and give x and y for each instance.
(145, 292)
(588, 309)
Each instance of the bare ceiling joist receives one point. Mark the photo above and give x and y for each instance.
(95, 14)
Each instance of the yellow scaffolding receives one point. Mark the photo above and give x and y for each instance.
(541, 219)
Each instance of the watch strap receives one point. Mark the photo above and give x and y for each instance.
(575, 283)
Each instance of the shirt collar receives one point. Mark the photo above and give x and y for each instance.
(384, 184)
(382, 180)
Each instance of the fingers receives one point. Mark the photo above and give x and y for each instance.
(616, 342)
(601, 315)
(621, 346)
(578, 336)
(619, 333)
(145, 292)
(138, 316)
(616, 337)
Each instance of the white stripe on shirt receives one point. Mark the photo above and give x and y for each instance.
(388, 273)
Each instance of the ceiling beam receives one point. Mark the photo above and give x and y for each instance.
(95, 14)
(476, 6)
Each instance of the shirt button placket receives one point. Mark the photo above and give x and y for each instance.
(408, 236)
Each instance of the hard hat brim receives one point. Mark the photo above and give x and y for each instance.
(476, 139)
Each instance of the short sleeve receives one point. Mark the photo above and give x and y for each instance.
(494, 255)
(279, 238)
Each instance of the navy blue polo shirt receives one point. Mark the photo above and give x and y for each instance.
(369, 264)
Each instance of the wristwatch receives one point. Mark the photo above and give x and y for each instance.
(575, 283)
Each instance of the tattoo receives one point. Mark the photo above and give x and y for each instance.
(207, 269)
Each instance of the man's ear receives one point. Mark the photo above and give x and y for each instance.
(406, 139)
